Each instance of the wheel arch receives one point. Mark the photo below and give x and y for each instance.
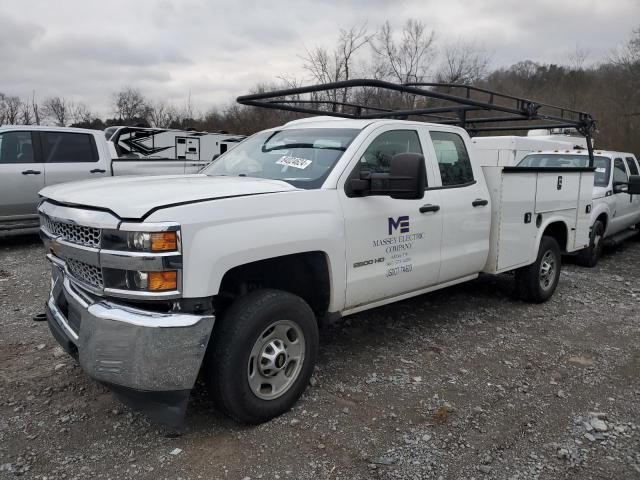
(305, 274)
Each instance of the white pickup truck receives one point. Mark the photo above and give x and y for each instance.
(616, 213)
(33, 157)
(157, 279)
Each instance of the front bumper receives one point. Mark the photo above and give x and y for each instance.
(139, 354)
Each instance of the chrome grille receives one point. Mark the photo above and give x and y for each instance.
(85, 273)
(87, 236)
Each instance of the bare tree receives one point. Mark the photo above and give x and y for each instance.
(129, 104)
(81, 113)
(162, 115)
(58, 109)
(12, 110)
(35, 108)
(463, 63)
(326, 65)
(26, 113)
(406, 59)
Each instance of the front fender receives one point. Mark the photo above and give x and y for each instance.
(226, 233)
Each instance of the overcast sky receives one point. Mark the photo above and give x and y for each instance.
(85, 49)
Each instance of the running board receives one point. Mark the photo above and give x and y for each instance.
(620, 237)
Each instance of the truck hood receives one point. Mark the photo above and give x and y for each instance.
(134, 197)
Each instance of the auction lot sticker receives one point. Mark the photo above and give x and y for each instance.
(294, 162)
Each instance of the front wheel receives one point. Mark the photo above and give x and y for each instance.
(589, 256)
(262, 357)
(537, 282)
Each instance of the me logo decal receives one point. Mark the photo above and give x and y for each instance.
(401, 223)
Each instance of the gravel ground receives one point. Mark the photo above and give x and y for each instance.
(459, 384)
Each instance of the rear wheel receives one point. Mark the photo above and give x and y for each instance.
(537, 282)
(263, 353)
(590, 256)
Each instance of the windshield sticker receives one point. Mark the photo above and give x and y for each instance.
(601, 170)
(294, 162)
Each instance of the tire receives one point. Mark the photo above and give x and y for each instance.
(263, 353)
(590, 256)
(532, 283)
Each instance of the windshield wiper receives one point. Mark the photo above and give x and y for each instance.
(299, 145)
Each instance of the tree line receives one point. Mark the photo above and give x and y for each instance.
(608, 89)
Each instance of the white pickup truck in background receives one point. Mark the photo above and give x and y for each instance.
(34, 157)
(509, 150)
(615, 214)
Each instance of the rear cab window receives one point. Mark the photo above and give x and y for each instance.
(16, 147)
(68, 147)
(453, 159)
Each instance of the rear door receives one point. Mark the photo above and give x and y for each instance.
(70, 156)
(21, 176)
(465, 207)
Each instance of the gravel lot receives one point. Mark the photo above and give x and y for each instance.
(458, 384)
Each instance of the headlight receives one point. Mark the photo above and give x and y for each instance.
(153, 242)
(140, 241)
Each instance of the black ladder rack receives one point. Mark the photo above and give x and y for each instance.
(473, 108)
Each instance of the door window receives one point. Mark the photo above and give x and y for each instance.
(619, 172)
(633, 168)
(377, 158)
(64, 147)
(16, 147)
(453, 159)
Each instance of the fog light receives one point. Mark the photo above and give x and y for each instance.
(161, 281)
(137, 280)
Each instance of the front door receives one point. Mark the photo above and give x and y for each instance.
(393, 245)
(624, 208)
(21, 177)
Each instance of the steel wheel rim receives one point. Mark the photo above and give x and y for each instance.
(547, 270)
(276, 359)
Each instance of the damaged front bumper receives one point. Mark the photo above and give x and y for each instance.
(149, 360)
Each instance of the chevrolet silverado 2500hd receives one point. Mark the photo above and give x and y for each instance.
(156, 280)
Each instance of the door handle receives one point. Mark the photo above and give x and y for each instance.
(479, 202)
(429, 208)
(97, 170)
(31, 172)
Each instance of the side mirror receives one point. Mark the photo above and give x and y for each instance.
(634, 185)
(406, 179)
(620, 187)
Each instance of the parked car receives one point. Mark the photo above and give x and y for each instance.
(312, 219)
(33, 157)
(615, 213)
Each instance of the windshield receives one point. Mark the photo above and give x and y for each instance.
(302, 157)
(602, 164)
